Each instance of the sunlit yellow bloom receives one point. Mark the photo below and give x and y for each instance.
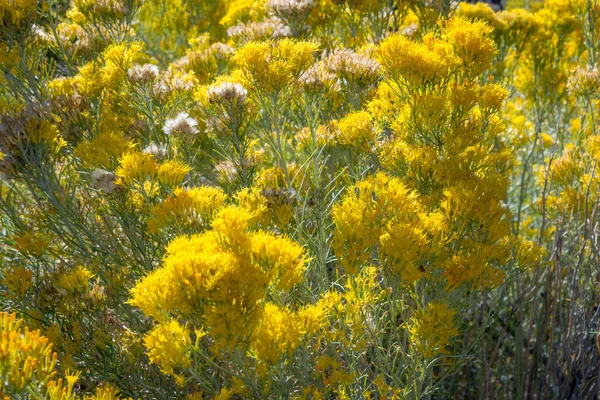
(480, 11)
(88, 80)
(273, 66)
(472, 44)
(492, 97)
(168, 344)
(283, 258)
(221, 276)
(118, 58)
(25, 357)
(63, 389)
(136, 167)
(281, 331)
(189, 207)
(241, 10)
(356, 129)
(171, 173)
(418, 63)
(362, 214)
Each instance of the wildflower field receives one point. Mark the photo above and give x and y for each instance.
(299, 199)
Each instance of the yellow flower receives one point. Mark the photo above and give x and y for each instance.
(529, 254)
(471, 42)
(363, 212)
(168, 345)
(418, 63)
(17, 281)
(102, 150)
(221, 276)
(431, 329)
(33, 243)
(547, 140)
(18, 12)
(42, 131)
(271, 195)
(273, 66)
(135, 166)
(122, 54)
(492, 96)
(57, 390)
(584, 82)
(171, 173)
(189, 206)
(25, 357)
(118, 58)
(76, 280)
(254, 203)
(333, 372)
(241, 10)
(96, 9)
(356, 129)
(281, 331)
(158, 293)
(282, 257)
(404, 245)
(480, 11)
(106, 392)
(88, 80)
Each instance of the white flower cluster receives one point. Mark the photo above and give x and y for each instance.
(287, 9)
(183, 125)
(142, 73)
(227, 91)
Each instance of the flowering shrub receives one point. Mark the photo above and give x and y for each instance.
(299, 199)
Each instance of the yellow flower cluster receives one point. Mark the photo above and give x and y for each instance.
(192, 206)
(353, 310)
(103, 150)
(137, 167)
(271, 67)
(76, 280)
(281, 330)
(357, 130)
(417, 63)
(432, 329)
(34, 243)
(363, 215)
(167, 345)
(26, 357)
(221, 277)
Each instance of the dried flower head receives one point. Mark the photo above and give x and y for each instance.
(173, 80)
(269, 28)
(584, 81)
(158, 151)
(351, 65)
(104, 180)
(291, 9)
(227, 91)
(227, 171)
(317, 78)
(183, 125)
(141, 74)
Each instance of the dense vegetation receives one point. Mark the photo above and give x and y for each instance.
(299, 199)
